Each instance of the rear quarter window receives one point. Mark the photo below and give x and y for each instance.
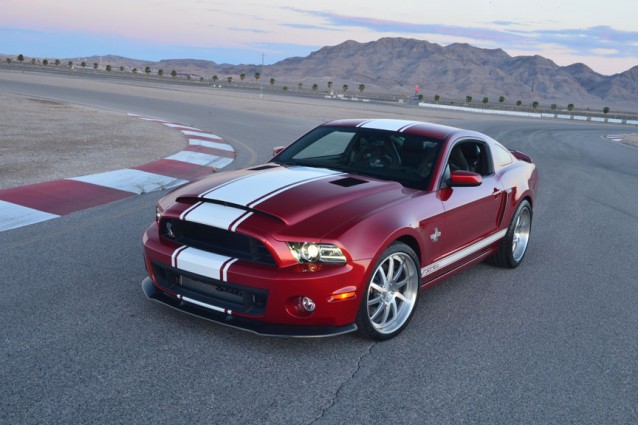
(503, 156)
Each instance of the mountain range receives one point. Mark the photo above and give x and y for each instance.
(395, 66)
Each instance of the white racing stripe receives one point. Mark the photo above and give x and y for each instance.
(457, 256)
(251, 190)
(387, 124)
(215, 215)
(202, 263)
(248, 191)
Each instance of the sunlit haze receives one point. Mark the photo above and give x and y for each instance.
(602, 35)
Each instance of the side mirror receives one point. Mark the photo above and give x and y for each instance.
(277, 150)
(461, 178)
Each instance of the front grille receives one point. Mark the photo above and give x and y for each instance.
(215, 240)
(211, 291)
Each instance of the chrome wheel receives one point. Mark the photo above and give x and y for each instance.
(392, 293)
(521, 234)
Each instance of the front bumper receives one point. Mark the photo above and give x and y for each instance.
(223, 317)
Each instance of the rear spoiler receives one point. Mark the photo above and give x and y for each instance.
(521, 156)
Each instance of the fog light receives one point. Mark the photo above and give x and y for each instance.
(308, 304)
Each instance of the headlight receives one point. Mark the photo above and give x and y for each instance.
(309, 252)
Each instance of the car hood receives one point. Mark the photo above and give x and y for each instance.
(303, 199)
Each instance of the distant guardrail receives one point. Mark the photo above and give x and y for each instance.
(562, 116)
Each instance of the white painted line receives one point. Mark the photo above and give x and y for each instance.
(13, 216)
(135, 181)
(197, 158)
(201, 134)
(174, 125)
(215, 145)
(220, 163)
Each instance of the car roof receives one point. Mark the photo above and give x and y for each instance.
(431, 130)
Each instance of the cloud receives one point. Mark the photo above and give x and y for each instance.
(508, 35)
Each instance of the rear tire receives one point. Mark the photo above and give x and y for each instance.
(391, 293)
(514, 245)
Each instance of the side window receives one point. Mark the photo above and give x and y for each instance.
(472, 156)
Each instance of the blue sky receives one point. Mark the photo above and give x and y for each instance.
(602, 35)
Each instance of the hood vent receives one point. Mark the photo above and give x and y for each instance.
(348, 182)
(263, 167)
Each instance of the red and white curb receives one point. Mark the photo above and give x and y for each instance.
(25, 205)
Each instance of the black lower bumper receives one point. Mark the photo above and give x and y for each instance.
(255, 326)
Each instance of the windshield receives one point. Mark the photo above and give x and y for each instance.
(405, 158)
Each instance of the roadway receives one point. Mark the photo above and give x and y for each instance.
(551, 342)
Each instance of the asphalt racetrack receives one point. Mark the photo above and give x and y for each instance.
(551, 342)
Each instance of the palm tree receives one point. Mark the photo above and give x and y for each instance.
(215, 79)
(20, 59)
(83, 64)
(160, 72)
(134, 70)
(57, 62)
(436, 98)
(314, 88)
(469, 99)
(272, 81)
(242, 76)
(70, 64)
(329, 85)
(606, 110)
(256, 76)
(501, 99)
(95, 65)
(108, 68)
(147, 70)
(229, 79)
(45, 62)
(121, 68)
(8, 60)
(554, 106)
(174, 73)
(485, 100)
(345, 88)
(570, 107)
(518, 103)
(361, 87)
(535, 104)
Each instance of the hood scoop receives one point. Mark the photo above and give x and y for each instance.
(348, 182)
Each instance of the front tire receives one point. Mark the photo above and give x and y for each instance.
(391, 295)
(514, 244)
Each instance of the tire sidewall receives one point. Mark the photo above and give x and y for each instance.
(513, 263)
(365, 327)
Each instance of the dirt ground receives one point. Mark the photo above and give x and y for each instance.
(42, 140)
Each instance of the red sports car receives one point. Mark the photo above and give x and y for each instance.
(342, 229)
